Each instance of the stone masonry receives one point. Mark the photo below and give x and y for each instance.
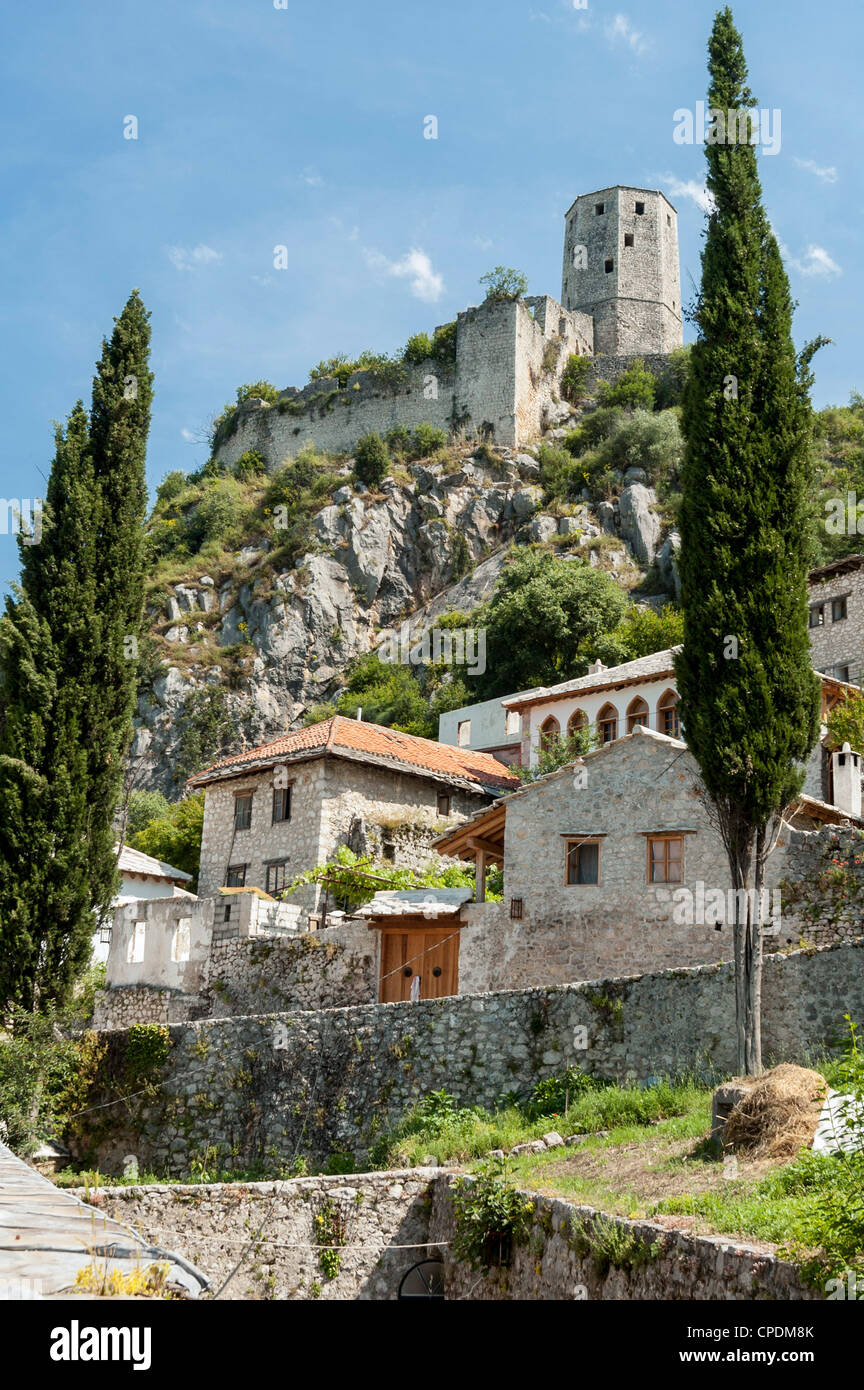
(388, 1221)
(271, 1087)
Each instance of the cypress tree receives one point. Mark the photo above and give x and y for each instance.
(749, 697)
(68, 680)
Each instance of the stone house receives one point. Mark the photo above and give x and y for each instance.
(613, 866)
(278, 810)
(837, 619)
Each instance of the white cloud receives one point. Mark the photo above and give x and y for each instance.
(313, 178)
(194, 259)
(827, 173)
(416, 267)
(620, 30)
(816, 262)
(692, 189)
(188, 436)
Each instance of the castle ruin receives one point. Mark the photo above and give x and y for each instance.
(620, 299)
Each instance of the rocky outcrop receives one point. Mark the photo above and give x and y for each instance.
(278, 642)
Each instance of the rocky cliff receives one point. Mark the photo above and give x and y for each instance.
(275, 636)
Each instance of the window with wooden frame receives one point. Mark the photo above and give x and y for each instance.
(817, 615)
(637, 713)
(236, 876)
(607, 724)
(667, 715)
(550, 733)
(281, 804)
(443, 803)
(516, 909)
(838, 609)
(578, 720)
(242, 810)
(583, 862)
(665, 858)
(274, 881)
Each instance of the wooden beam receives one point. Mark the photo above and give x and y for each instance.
(480, 876)
(486, 846)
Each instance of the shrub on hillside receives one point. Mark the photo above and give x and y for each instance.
(371, 460)
(635, 389)
(171, 486)
(250, 464)
(573, 378)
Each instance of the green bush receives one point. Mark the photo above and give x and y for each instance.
(371, 460)
(635, 389)
(555, 1094)
(491, 1216)
(257, 390)
(398, 441)
(171, 486)
(218, 516)
(573, 378)
(417, 349)
(250, 464)
(426, 440)
(672, 381)
(559, 476)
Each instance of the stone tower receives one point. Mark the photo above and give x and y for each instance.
(621, 266)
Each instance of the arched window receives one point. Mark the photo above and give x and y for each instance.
(667, 715)
(637, 713)
(550, 733)
(607, 724)
(578, 720)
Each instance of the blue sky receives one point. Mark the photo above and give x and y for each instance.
(303, 126)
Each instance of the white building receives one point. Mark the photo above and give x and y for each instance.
(141, 876)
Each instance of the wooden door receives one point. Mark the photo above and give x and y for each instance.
(431, 953)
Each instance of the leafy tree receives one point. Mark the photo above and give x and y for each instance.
(174, 835)
(749, 698)
(371, 460)
(208, 728)
(257, 390)
(504, 283)
(543, 609)
(672, 380)
(641, 632)
(557, 753)
(418, 349)
(68, 655)
(400, 696)
(846, 722)
(143, 808)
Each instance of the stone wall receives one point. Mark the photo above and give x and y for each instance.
(389, 1221)
(320, 1083)
(383, 1218)
(500, 388)
(257, 974)
(838, 643)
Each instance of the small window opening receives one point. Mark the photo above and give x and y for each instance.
(640, 209)
(609, 267)
(599, 209)
(628, 238)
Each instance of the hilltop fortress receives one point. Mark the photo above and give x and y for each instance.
(620, 299)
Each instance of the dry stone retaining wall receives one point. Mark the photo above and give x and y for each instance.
(390, 1220)
(265, 1088)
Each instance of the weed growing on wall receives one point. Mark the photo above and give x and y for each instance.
(492, 1217)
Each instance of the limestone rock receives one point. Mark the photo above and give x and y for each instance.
(640, 525)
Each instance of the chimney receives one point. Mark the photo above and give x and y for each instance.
(846, 777)
(596, 668)
(360, 712)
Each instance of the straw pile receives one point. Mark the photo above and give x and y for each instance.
(779, 1114)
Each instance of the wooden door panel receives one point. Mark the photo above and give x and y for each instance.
(433, 955)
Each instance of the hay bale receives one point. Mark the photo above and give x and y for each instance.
(779, 1114)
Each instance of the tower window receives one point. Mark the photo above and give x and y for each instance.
(610, 265)
(668, 220)
(628, 238)
(640, 209)
(599, 209)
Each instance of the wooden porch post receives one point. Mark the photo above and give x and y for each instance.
(480, 876)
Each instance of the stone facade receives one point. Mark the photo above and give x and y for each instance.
(240, 967)
(837, 619)
(389, 1221)
(270, 1087)
(621, 267)
(334, 802)
(503, 387)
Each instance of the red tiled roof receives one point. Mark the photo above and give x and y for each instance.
(346, 737)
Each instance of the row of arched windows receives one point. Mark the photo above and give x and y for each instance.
(608, 720)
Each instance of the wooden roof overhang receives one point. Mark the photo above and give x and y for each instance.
(484, 832)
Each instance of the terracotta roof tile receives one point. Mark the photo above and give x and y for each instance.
(353, 736)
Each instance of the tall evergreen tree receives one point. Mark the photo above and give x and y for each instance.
(68, 680)
(749, 698)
